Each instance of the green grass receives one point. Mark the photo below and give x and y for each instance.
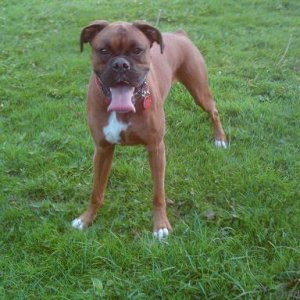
(236, 212)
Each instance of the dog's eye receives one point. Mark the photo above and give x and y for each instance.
(137, 50)
(103, 51)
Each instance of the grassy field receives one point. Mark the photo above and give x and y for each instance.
(236, 212)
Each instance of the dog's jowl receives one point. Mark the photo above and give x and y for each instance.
(134, 66)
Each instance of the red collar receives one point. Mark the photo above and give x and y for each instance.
(142, 93)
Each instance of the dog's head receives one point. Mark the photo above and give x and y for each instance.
(121, 57)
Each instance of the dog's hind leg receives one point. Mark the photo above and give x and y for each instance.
(193, 75)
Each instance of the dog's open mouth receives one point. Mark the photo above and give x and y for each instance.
(121, 98)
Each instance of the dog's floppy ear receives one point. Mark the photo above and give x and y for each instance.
(88, 32)
(151, 33)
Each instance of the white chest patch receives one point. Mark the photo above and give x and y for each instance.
(113, 129)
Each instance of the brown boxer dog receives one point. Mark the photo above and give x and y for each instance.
(134, 66)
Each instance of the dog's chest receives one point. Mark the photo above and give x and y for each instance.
(112, 131)
(128, 130)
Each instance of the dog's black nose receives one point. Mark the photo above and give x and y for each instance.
(120, 64)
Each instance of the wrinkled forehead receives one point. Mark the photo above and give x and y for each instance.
(123, 36)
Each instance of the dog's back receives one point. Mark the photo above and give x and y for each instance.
(180, 60)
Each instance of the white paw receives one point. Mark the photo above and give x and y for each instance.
(221, 144)
(78, 224)
(161, 233)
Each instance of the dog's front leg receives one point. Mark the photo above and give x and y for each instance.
(157, 160)
(102, 166)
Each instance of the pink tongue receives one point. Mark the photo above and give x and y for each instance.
(121, 98)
